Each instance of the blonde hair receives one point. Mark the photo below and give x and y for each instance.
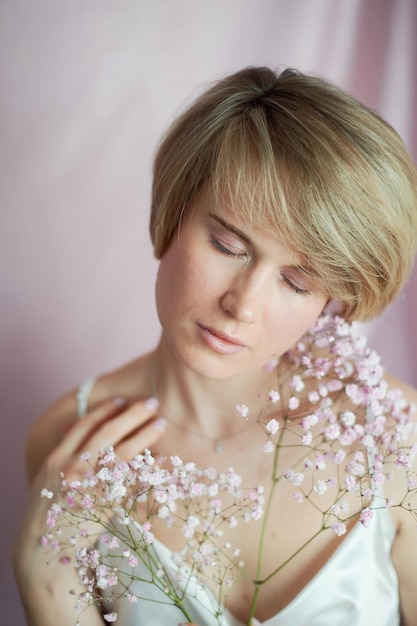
(300, 157)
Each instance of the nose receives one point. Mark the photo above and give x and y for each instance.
(243, 299)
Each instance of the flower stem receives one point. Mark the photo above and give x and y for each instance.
(274, 482)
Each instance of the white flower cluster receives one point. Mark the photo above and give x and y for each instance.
(339, 408)
(134, 494)
(331, 404)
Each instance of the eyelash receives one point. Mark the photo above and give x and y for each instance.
(221, 248)
(291, 285)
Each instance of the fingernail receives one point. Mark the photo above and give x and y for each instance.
(119, 401)
(152, 403)
(160, 424)
(255, 622)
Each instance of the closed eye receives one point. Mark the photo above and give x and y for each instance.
(219, 246)
(295, 287)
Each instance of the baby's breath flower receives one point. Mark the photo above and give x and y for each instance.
(296, 383)
(346, 417)
(366, 516)
(296, 478)
(309, 421)
(293, 403)
(313, 397)
(332, 431)
(274, 396)
(45, 493)
(257, 512)
(268, 447)
(320, 462)
(339, 457)
(351, 484)
(307, 438)
(272, 427)
(320, 487)
(339, 528)
(243, 410)
(132, 598)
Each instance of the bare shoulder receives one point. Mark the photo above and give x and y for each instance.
(128, 381)
(47, 430)
(410, 394)
(398, 487)
(404, 515)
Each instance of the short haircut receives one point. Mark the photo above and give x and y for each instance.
(300, 157)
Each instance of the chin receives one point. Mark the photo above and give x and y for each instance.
(216, 367)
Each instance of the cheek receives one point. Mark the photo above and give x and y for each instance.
(179, 282)
(308, 316)
(291, 324)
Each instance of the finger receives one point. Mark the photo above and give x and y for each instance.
(85, 426)
(105, 426)
(113, 431)
(144, 438)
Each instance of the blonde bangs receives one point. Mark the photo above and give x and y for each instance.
(305, 205)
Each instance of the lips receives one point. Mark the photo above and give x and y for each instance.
(221, 342)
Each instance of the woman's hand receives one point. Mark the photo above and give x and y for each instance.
(45, 584)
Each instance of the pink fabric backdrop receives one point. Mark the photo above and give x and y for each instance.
(86, 88)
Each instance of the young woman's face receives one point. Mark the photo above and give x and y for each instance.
(230, 300)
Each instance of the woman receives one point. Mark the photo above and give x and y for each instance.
(274, 196)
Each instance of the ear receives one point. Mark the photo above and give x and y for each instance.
(333, 307)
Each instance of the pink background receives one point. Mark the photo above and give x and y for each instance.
(86, 89)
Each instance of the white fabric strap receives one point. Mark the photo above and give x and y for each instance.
(83, 396)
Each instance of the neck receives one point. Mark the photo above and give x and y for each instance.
(207, 405)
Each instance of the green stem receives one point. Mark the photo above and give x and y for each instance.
(274, 482)
(259, 583)
(293, 555)
(149, 560)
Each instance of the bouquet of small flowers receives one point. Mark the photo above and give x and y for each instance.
(330, 400)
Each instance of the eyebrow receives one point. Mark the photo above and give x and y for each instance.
(231, 228)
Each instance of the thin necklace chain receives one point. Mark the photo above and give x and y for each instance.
(218, 442)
